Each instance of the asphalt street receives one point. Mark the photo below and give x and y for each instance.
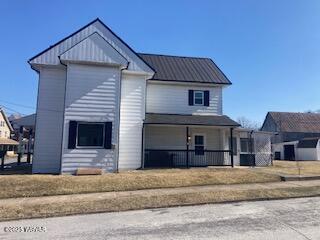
(292, 219)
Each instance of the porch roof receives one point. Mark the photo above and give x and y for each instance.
(178, 119)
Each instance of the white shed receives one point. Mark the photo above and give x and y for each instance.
(304, 149)
(308, 149)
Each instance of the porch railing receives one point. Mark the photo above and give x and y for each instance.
(186, 158)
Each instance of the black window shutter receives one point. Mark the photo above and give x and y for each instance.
(72, 135)
(206, 98)
(107, 135)
(190, 97)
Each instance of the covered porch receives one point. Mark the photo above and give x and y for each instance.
(172, 140)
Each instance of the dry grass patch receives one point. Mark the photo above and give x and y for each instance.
(93, 203)
(47, 185)
(307, 168)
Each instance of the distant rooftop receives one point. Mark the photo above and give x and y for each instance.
(297, 122)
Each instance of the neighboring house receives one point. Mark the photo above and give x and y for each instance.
(289, 130)
(24, 127)
(102, 105)
(6, 129)
(5, 126)
(26, 124)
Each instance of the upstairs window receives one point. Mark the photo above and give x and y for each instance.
(198, 98)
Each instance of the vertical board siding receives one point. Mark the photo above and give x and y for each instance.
(132, 112)
(51, 56)
(49, 121)
(94, 49)
(92, 95)
(174, 99)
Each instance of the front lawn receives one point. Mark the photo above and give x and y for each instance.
(46, 185)
(307, 168)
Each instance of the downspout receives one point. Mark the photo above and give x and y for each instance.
(63, 117)
(119, 107)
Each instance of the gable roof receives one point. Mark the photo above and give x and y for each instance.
(296, 122)
(308, 143)
(6, 119)
(52, 53)
(184, 69)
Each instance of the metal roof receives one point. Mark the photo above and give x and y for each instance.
(297, 122)
(184, 69)
(308, 143)
(177, 119)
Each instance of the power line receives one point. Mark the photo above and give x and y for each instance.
(19, 105)
(33, 108)
(10, 109)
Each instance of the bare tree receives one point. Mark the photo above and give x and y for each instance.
(247, 123)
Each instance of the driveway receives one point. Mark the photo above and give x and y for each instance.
(280, 219)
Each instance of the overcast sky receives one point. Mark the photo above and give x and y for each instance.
(270, 50)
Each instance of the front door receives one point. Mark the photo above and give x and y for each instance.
(289, 152)
(198, 156)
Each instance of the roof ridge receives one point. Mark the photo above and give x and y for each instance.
(294, 112)
(168, 55)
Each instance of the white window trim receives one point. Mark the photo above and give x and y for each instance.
(194, 97)
(91, 147)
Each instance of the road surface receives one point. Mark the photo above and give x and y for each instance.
(292, 219)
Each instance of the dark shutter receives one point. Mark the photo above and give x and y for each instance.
(107, 135)
(206, 98)
(190, 97)
(72, 135)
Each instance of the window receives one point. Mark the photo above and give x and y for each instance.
(198, 98)
(234, 141)
(90, 134)
(246, 145)
(199, 144)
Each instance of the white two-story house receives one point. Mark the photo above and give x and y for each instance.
(102, 105)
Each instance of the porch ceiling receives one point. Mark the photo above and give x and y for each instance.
(178, 119)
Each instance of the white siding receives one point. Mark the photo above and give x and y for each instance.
(92, 95)
(174, 137)
(165, 137)
(132, 113)
(306, 154)
(51, 56)
(162, 98)
(49, 120)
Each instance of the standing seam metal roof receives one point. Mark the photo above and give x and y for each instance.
(184, 69)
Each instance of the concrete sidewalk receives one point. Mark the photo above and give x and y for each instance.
(29, 207)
